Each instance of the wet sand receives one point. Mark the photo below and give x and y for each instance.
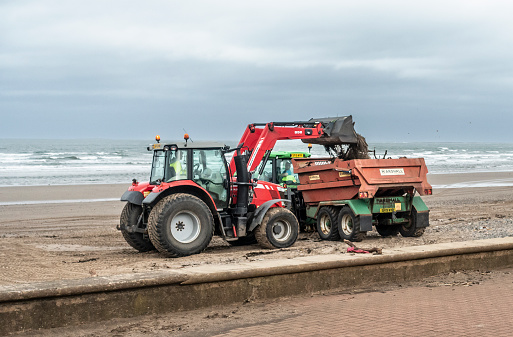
(110, 192)
(476, 179)
(61, 192)
(65, 240)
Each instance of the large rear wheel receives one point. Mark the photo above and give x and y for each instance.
(279, 229)
(180, 225)
(129, 220)
(349, 225)
(327, 223)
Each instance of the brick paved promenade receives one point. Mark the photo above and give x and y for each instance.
(484, 309)
(457, 304)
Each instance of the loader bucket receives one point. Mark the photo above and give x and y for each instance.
(337, 131)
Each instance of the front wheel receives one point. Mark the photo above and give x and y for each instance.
(279, 229)
(349, 225)
(129, 219)
(180, 225)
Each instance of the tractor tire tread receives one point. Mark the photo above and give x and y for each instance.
(157, 221)
(333, 214)
(261, 231)
(356, 235)
(136, 240)
(412, 230)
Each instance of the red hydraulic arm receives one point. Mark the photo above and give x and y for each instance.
(260, 138)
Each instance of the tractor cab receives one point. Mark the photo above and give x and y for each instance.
(203, 163)
(278, 168)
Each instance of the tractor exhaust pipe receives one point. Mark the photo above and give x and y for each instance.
(241, 210)
(242, 185)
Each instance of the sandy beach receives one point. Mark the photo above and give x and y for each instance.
(67, 232)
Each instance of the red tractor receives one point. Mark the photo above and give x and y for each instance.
(194, 192)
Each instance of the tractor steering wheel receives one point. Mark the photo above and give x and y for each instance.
(196, 169)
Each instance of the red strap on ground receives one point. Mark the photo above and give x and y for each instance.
(353, 250)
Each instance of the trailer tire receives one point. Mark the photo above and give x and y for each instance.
(387, 230)
(129, 217)
(411, 230)
(180, 225)
(327, 223)
(244, 241)
(349, 225)
(279, 229)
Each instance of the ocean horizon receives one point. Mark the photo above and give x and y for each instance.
(35, 162)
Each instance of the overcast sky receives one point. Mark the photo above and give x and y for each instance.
(406, 70)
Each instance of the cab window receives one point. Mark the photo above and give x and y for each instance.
(158, 167)
(176, 166)
(267, 173)
(209, 171)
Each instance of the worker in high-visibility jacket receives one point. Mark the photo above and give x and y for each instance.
(287, 176)
(175, 168)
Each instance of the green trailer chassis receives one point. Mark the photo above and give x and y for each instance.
(381, 210)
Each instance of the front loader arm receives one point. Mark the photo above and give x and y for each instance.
(258, 140)
(272, 133)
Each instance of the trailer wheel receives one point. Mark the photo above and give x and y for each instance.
(388, 230)
(129, 218)
(327, 223)
(180, 225)
(410, 229)
(349, 225)
(279, 229)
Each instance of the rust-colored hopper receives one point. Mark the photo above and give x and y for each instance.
(327, 179)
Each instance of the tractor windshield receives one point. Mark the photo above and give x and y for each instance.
(157, 167)
(279, 171)
(267, 171)
(168, 166)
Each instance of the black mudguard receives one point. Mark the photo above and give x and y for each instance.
(150, 199)
(422, 220)
(365, 223)
(133, 197)
(260, 212)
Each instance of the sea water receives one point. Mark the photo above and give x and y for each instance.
(99, 161)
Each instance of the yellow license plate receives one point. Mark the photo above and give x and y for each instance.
(296, 155)
(387, 210)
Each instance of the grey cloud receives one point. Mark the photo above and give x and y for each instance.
(403, 69)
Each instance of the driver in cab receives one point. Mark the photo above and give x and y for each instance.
(287, 175)
(175, 167)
